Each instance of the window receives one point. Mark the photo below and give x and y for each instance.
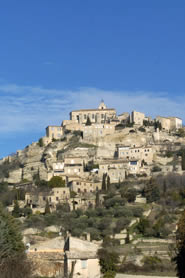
(56, 198)
(85, 116)
(92, 116)
(52, 129)
(83, 264)
(44, 198)
(102, 116)
(59, 129)
(64, 192)
(78, 190)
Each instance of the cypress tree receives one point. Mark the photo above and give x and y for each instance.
(183, 159)
(108, 183)
(104, 182)
(97, 201)
(88, 121)
(47, 208)
(16, 209)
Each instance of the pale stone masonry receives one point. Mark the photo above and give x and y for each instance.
(54, 132)
(137, 118)
(37, 200)
(100, 115)
(169, 123)
(141, 153)
(85, 186)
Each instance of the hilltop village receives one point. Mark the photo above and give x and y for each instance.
(93, 144)
(116, 165)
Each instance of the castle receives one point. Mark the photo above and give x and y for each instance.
(103, 120)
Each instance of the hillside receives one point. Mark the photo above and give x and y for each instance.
(119, 183)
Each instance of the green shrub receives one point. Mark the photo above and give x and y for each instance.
(41, 142)
(56, 181)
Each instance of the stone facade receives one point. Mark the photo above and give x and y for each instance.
(169, 123)
(95, 131)
(54, 132)
(137, 118)
(100, 115)
(51, 260)
(140, 153)
(85, 186)
(114, 168)
(56, 196)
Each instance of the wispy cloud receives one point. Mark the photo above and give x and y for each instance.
(27, 108)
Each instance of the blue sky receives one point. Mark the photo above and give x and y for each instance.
(56, 56)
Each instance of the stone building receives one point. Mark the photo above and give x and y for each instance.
(37, 200)
(100, 115)
(137, 118)
(54, 132)
(73, 166)
(175, 123)
(114, 168)
(52, 259)
(84, 186)
(140, 153)
(97, 130)
(169, 123)
(124, 117)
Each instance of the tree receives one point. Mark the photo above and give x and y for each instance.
(41, 142)
(183, 159)
(180, 245)
(181, 132)
(97, 201)
(108, 183)
(16, 210)
(56, 182)
(104, 188)
(108, 262)
(13, 261)
(151, 192)
(47, 208)
(88, 122)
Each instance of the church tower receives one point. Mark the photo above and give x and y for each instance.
(102, 105)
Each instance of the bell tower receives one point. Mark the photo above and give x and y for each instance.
(102, 105)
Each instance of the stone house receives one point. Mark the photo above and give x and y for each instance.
(114, 168)
(37, 200)
(59, 258)
(141, 153)
(72, 125)
(137, 118)
(98, 130)
(134, 166)
(169, 123)
(124, 117)
(83, 185)
(100, 115)
(83, 201)
(54, 132)
(73, 166)
(175, 123)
